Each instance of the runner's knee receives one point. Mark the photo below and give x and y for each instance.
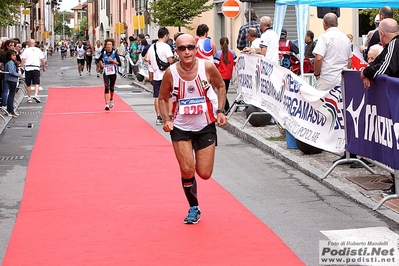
(187, 171)
(204, 174)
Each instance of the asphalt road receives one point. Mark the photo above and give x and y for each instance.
(292, 204)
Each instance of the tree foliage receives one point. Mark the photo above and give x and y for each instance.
(9, 12)
(178, 13)
(83, 29)
(61, 19)
(372, 12)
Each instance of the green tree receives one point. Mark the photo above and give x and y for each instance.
(83, 29)
(178, 13)
(9, 12)
(61, 19)
(372, 12)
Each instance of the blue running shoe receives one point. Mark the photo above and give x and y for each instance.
(194, 215)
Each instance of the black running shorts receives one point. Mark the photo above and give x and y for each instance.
(199, 139)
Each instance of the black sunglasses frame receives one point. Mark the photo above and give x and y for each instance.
(183, 48)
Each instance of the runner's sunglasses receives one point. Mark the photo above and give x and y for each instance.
(183, 48)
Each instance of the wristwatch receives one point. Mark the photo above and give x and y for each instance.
(220, 111)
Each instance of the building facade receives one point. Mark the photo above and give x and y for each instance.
(121, 18)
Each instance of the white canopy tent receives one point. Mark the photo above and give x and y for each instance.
(302, 14)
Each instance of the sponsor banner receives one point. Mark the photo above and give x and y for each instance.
(372, 117)
(311, 116)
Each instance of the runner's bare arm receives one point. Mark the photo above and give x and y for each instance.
(163, 98)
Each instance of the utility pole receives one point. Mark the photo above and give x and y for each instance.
(63, 24)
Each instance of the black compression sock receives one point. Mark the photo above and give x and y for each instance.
(190, 189)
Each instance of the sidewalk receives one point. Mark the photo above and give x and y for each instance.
(316, 165)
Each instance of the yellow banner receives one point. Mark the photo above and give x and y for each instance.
(46, 35)
(26, 11)
(119, 28)
(138, 22)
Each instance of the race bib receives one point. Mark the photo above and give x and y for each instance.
(109, 70)
(192, 106)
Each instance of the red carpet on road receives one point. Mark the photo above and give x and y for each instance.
(103, 188)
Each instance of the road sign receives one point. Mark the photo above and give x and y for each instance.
(231, 9)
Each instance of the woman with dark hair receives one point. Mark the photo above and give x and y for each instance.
(11, 77)
(144, 74)
(225, 61)
(7, 45)
(109, 61)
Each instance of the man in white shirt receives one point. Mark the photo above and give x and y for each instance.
(32, 57)
(269, 40)
(165, 54)
(332, 54)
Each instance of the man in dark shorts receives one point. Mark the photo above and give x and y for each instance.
(80, 56)
(32, 57)
(198, 96)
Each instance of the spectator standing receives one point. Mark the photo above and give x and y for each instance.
(253, 39)
(251, 17)
(145, 46)
(139, 45)
(109, 61)
(371, 33)
(225, 62)
(134, 56)
(161, 50)
(388, 61)
(7, 45)
(11, 77)
(286, 45)
(332, 54)
(269, 40)
(192, 126)
(32, 57)
(310, 44)
(206, 48)
(148, 38)
(385, 12)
